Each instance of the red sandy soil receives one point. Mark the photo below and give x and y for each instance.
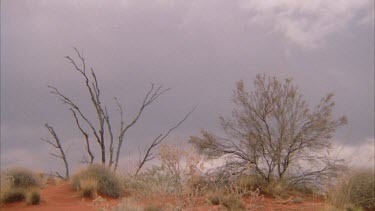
(60, 197)
(63, 197)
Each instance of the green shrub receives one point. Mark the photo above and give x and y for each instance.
(355, 190)
(13, 195)
(23, 178)
(108, 182)
(33, 197)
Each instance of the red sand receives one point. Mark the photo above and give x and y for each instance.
(63, 197)
(59, 197)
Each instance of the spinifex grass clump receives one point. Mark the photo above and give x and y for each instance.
(355, 189)
(16, 183)
(33, 197)
(233, 202)
(23, 178)
(89, 187)
(12, 195)
(108, 182)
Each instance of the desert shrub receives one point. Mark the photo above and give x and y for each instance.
(23, 178)
(108, 182)
(233, 202)
(33, 197)
(214, 199)
(356, 189)
(127, 204)
(12, 195)
(154, 182)
(89, 187)
(152, 208)
(277, 189)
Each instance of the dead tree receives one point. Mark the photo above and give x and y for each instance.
(57, 145)
(102, 127)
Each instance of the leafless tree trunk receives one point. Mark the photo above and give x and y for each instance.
(101, 128)
(58, 146)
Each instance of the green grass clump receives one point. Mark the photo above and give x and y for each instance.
(108, 183)
(33, 197)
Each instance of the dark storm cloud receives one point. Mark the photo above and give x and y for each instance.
(198, 48)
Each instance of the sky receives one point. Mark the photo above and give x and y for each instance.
(199, 49)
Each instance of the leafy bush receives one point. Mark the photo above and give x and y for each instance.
(108, 182)
(355, 189)
(12, 195)
(23, 178)
(33, 197)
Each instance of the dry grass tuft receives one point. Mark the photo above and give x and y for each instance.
(23, 178)
(108, 183)
(33, 197)
(354, 191)
(16, 183)
(89, 187)
(233, 202)
(12, 195)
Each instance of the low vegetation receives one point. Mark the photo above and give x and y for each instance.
(18, 184)
(355, 190)
(23, 178)
(98, 178)
(33, 197)
(12, 195)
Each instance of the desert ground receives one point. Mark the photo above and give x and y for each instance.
(62, 196)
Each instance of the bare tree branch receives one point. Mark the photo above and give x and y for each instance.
(148, 155)
(86, 135)
(273, 129)
(58, 145)
(150, 97)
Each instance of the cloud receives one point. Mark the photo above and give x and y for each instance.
(307, 24)
(361, 155)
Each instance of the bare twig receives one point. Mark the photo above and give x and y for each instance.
(148, 155)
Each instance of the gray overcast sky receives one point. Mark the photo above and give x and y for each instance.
(197, 48)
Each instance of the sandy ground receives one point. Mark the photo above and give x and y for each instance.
(63, 197)
(60, 197)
